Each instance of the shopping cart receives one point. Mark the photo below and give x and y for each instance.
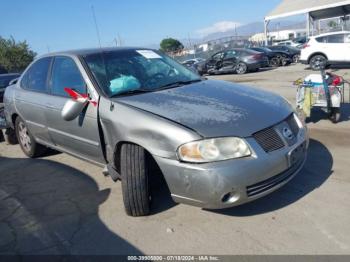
(324, 90)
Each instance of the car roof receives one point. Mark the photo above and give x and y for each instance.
(90, 51)
(332, 33)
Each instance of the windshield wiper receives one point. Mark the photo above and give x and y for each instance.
(178, 83)
(132, 92)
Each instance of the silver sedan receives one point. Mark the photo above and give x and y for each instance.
(217, 144)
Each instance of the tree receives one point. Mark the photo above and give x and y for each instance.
(15, 56)
(171, 45)
(332, 24)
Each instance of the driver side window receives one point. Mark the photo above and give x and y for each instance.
(65, 73)
(217, 56)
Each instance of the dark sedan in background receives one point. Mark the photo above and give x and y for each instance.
(5, 80)
(238, 61)
(293, 52)
(276, 58)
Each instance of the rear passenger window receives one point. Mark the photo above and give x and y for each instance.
(336, 39)
(230, 54)
(65, 73)
(322, 39)
(35, 78)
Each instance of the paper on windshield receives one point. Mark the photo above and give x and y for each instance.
(149, 54)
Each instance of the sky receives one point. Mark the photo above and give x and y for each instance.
(49, 25)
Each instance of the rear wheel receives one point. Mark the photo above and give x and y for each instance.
(284, 60)
(318, 62)
(27, 142)
(10, 136)
(274, 62)
(135, 186)
(241, 68)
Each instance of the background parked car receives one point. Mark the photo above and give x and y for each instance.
(238, 61)
(5, 80)
(288, 43)
(191, 62)
(276, 58)
(327, 49)
(293, 52)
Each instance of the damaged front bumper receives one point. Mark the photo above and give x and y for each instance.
(234, 182)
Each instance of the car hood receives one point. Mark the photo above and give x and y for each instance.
(214, 108)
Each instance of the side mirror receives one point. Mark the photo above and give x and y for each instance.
(73, 108)
(13, 81)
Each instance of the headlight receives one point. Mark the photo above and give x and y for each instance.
(297, 119)
(216, 149)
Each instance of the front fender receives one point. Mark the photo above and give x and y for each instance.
(159, 136)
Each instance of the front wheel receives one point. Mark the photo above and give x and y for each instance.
(27, 142)
(296, 58)
(135, 186)
(318, 62)
(241, 68)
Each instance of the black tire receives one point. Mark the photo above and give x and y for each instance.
(274, 62)
(284, 60)
(318, 62)
(295, 58)
(241, 68)
(27, 142)
(2, 139)
(335, 115)
(10, 137)
(134, 172)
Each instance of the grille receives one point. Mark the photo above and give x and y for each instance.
(293, 125)
(269, 140)
(267, 184)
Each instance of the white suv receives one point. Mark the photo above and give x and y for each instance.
(327, 49)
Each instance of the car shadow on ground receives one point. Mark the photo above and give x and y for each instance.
(51, 208)
(161, 196)
(317, 114)
(316, 171)
(331, 69)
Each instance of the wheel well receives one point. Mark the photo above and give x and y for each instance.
(13, 119)
(117, 154)
(314, 54)
(155, 170)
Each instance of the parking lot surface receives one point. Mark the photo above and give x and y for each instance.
(61, 205)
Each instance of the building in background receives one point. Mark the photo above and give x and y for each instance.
(315, 11)
(278, 36)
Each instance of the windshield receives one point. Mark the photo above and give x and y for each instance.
(131, 71)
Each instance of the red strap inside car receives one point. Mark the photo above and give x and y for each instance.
(75, 95)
